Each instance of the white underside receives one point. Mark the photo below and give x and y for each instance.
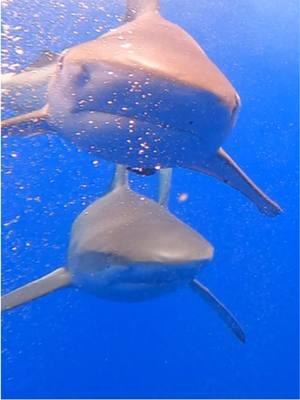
(136, 143)
(134, 282)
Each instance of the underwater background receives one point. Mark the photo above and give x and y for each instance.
(71, 344)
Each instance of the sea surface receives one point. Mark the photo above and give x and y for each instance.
(71, 344)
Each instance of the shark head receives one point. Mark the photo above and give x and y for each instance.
(147, 96)
(126, 246)
(145, 83)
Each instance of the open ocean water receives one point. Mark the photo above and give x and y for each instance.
(71, 344)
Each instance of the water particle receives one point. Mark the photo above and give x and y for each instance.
(126, 45)
(183, 197)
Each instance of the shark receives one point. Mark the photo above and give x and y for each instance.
(27, 90)
(127, 247)
(145, 95)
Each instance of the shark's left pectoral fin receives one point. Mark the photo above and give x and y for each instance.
(223, 311)
(32, 123)
(48, 283)
(224, 168)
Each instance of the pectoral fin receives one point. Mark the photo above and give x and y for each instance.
(34, 122)
(46, 58)
(223, 311)
(224, 168)
(165, 181)
(48, 283)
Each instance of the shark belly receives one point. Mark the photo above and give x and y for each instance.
(135, 117)
(134, 142)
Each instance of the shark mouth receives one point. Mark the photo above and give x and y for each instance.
(91, 108)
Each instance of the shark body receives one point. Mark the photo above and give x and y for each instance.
(127, 247)
(147, 96)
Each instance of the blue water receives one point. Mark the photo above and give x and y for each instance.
(71, 344)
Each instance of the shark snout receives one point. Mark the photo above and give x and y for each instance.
(186, 254)
(235, 108)
(233, 104)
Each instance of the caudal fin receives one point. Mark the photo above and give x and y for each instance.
(48, 283)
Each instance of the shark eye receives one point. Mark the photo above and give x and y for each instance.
(84, 76)
(60, 62)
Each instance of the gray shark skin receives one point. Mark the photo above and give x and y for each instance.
(27, 89)
(127, 247)
(146, 95)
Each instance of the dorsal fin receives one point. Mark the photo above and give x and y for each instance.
(136, 8)
(120, 178)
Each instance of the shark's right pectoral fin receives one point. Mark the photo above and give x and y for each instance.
(224, 168)
(32, 123)
(48, 283)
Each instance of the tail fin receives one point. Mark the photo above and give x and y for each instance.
(48, 283)
(136, 8)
